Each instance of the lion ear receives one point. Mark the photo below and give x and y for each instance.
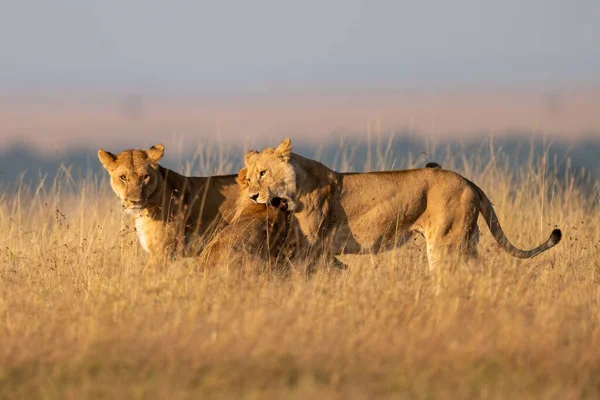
(107, 159)
(156, 152)
(284, 150)
(241, 178)
(249, 156)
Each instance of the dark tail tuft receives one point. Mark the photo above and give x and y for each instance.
(555, 237)
(433, 165)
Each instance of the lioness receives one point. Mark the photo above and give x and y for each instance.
(256, 235)
(170, 210)
(352, 212)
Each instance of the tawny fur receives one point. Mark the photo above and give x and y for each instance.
(353, 212)
(256, 235)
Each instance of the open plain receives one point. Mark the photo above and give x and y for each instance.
(81, 316)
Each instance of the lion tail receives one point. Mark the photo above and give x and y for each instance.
(492, 222)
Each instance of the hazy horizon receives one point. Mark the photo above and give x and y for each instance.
(116, 120)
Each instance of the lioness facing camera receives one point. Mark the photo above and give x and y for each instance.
(170, 210)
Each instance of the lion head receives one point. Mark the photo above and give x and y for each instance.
(134, 174)
(268, 176)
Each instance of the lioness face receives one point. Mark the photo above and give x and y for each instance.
(134, 174)
(268, 175)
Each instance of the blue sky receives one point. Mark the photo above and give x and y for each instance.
(238, 45)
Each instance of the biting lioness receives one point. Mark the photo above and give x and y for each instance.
(352, 212)
(170, 210)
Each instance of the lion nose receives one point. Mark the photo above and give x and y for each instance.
(135, 202)
(254, 196)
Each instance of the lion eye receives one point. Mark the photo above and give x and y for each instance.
(262, 173)
(123, 178)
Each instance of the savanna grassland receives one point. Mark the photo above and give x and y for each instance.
(81, 316)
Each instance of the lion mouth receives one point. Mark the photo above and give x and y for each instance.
(134, 205)
(280, 203)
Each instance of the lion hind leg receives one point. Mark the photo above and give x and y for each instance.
(452, 242)
(471, 242)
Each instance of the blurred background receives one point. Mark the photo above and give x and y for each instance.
(79, 75)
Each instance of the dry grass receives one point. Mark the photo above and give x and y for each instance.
(80, 316)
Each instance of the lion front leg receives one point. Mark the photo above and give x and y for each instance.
(312, 245)
(164, 246)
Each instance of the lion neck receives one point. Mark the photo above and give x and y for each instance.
(173, 189)
(312, 175)
(194, 197)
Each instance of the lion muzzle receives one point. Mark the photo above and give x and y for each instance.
(134, 204)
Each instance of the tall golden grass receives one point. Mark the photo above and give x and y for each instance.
(82, 317)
